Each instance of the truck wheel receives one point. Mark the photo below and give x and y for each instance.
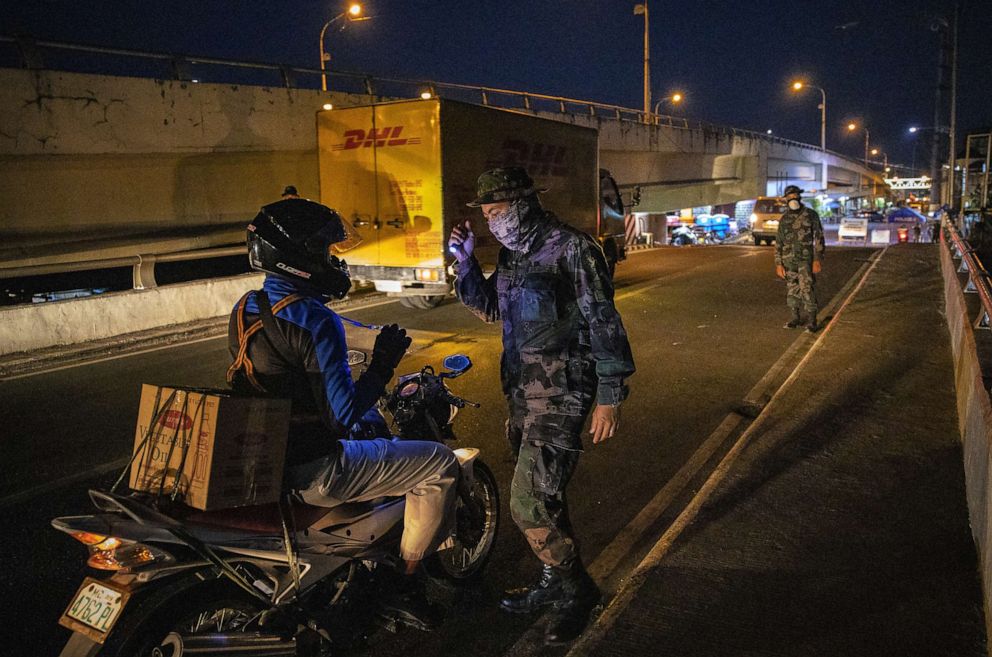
(757, 241)
(421, 302)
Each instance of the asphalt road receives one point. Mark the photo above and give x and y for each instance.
(705, 325)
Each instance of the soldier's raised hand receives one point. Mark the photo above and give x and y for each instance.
(462, 242)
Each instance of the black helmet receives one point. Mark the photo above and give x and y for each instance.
(298, 240)
(792, 189)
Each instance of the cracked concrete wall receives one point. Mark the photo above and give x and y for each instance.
(95, 155)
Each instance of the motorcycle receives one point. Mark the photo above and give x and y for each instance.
(683, 235)
(277, 579)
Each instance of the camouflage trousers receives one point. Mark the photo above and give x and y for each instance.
(800, 285)
(543, 469)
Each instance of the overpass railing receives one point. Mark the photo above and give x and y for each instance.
(979, 279)
(36, 54)
(142, 266)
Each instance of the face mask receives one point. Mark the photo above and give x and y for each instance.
(794, 204)
(505, 227)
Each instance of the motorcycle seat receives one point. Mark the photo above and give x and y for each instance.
(260, 519)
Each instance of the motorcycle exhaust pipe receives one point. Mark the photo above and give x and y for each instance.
(226, 644)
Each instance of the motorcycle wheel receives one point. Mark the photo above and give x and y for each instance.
(474, 534)
(149, 629)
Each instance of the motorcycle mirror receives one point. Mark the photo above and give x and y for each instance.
(356, 357)
(458, 364)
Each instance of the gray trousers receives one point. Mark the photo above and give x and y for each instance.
(425, 472)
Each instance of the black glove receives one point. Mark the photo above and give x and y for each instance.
(390, 345)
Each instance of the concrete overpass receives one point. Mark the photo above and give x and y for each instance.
(101, 166)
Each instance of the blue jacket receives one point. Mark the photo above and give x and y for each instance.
(326, 400)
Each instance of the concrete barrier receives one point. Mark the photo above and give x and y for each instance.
(974, 420)
(43, 325)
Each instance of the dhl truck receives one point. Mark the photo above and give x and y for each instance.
(401, 173)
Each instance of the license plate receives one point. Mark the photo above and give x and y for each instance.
(94, 609)
(771, 223)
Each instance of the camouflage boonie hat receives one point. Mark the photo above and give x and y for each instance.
(503, 184)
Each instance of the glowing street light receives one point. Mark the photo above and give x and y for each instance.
(353, 13)
(674, 99)
(798, 85)
(851, 127)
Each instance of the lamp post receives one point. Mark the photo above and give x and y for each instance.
(642, 8)
(798, 86)
(851, 127)
(674, 99)
(352, 13)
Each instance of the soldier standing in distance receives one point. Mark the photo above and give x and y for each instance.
(799, 257)
(564, 350)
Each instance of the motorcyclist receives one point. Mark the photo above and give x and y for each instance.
(286, 342)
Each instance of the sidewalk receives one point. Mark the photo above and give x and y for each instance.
(841, 529)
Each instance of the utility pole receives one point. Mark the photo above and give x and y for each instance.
(941, 27)
(951, 150)
(642, 8)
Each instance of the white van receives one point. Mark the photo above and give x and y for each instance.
(764, 218)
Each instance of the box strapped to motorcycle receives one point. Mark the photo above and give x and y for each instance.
(215, 449)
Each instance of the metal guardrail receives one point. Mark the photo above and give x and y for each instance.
(979, 279)
(143, 265)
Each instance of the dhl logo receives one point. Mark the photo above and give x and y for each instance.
(538, 159)
(379, 137)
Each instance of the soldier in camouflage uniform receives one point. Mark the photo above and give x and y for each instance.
(564, 350)
(799, 256)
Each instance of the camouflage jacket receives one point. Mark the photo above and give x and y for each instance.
(800, 238)
(559, 322)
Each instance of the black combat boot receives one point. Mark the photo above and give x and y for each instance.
(571, 614)
(795, 322)
(531, 598)
(812, 326)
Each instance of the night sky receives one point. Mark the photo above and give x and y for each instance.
(732, 60)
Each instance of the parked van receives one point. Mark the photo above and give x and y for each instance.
(764, 218)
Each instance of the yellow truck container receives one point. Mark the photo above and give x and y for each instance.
(401, 174)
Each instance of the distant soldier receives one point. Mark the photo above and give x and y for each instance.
(565, 351)
(798, 257)
(290, 192)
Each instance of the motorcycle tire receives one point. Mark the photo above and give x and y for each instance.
(474, 534)
(179, 606)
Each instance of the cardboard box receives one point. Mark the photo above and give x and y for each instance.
(225, 450)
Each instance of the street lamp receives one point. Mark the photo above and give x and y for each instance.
(674, 99)
(851, 127)
(885, 157)
(798, 85)
(352, 13)
(639, 9)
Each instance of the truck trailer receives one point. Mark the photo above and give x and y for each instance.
(402, 172)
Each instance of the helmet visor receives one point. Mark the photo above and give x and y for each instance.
(350, 241)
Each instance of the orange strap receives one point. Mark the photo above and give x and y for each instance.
(242, 361)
